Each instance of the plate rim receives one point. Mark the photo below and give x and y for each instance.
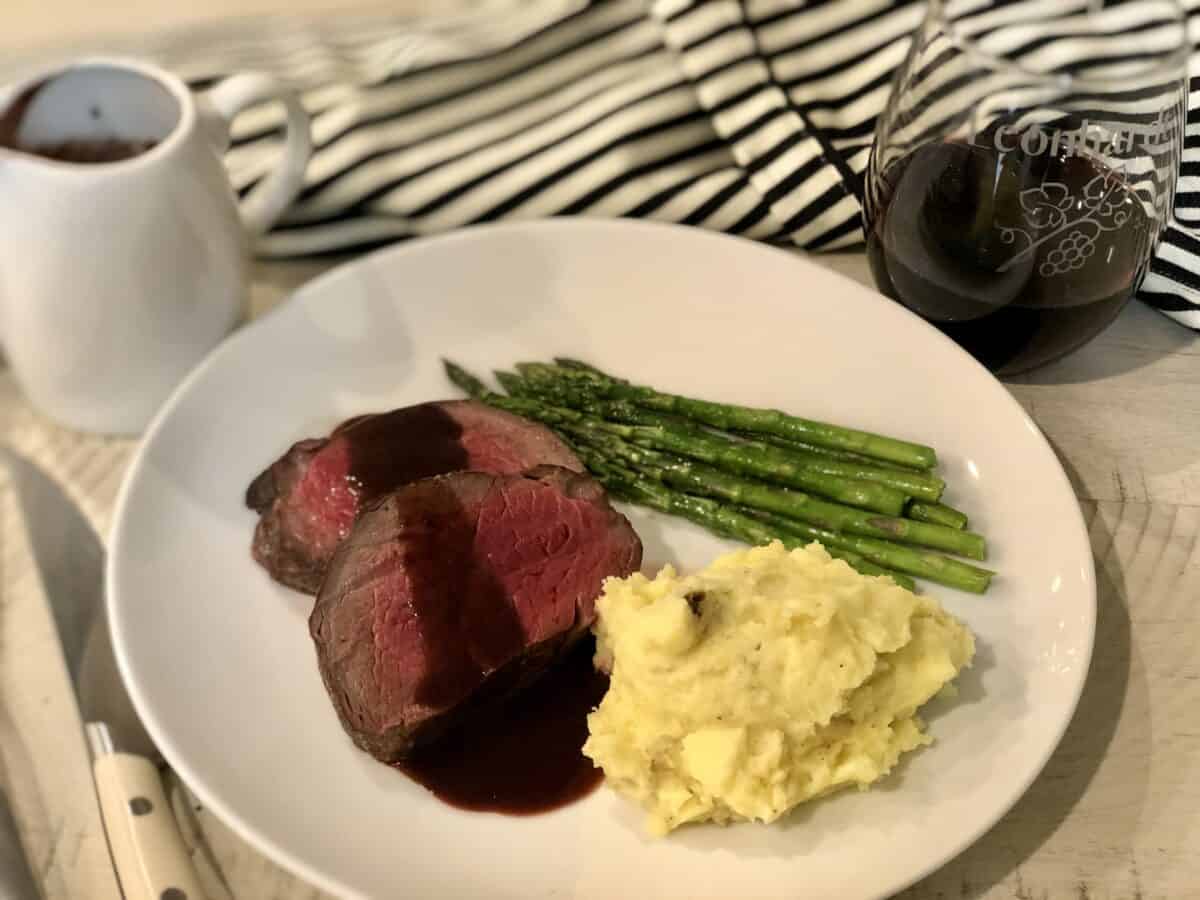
(288, 305)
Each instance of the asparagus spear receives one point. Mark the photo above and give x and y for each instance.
(933, 566)
(731, 417)
(745, 459)
(832, 462)
(844, 455)
(915, 484)
(927, 510)
(696, 478)
(919, 510)
(627, 485)
(936, 513)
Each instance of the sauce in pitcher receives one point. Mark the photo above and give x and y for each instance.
(79, 150)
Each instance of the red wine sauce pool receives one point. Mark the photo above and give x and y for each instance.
(525, 756)
(1018, 258)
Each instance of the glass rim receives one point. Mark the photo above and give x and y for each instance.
(1176, 58)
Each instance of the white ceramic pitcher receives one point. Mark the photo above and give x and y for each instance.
(116, 278)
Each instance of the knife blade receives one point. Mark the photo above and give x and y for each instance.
(148, 852)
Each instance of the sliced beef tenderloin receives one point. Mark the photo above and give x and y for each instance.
(456, 591)
(310, 497)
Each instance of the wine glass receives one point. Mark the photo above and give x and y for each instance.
(1025, 167)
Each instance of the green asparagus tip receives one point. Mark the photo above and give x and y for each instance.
(510, 381)
(528, 369)
(464, 380)
(566, 362)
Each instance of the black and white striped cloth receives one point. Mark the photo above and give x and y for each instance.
(751, 117)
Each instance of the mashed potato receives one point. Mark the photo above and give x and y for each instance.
(767, 679)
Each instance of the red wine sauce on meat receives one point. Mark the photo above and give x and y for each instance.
(402, 446)
(524, 757)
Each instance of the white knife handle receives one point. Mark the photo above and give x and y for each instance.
(147, 849)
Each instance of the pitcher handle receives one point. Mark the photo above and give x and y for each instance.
(263, 206)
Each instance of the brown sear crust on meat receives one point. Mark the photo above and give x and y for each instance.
(455, 592)
(310, 498)
(289, 560)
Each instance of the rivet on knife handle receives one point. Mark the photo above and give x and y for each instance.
(147, 848)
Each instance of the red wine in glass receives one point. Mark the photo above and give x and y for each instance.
(1018, 257)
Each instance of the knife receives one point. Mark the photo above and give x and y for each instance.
(148, 852)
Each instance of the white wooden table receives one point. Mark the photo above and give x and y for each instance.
(1114, 816)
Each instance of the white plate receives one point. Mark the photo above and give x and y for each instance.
(219, 661)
